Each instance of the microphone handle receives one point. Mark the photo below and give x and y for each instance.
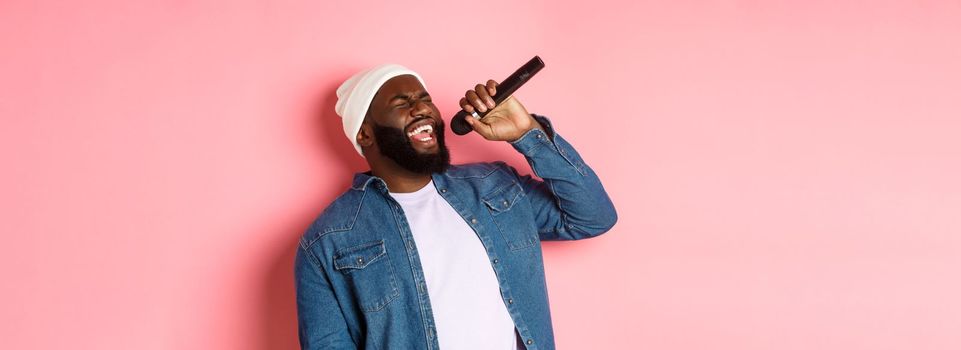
(504, 90)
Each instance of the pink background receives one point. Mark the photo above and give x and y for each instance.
(786, 172)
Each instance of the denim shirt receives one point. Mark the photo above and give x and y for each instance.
(358, 276)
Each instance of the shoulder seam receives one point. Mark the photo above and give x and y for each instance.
(347, 227)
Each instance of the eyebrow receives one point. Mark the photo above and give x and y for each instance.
(407, 97)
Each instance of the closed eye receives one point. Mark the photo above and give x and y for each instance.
(407, 102)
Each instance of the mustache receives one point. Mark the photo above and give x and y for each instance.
(417, 120)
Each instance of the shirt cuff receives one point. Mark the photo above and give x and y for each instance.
(535, 138)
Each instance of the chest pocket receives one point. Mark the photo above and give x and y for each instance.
(369, 274)
(512, 216)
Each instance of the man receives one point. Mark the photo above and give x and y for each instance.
(421, 254)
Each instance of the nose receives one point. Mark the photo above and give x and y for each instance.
(420, 108)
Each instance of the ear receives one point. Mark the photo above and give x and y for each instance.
(365, 137)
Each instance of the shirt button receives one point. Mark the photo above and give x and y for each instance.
(538, 135)
(506, 203)
(496, 261)
(473, 221)
(443, 190)
(510, 300)
(530, 341)
(360, 260)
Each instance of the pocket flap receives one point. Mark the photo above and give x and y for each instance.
(360, 256)
(503, 198)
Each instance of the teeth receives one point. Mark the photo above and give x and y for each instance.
(420, 129)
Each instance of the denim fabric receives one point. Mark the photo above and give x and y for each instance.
(357, 273)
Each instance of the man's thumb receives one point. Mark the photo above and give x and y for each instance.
(478, 126)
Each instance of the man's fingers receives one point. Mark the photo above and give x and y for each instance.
(481, 91)
(476, 101)
(480, 99)
(466, 105)
(491, 87)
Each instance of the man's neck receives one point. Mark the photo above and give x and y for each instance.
(401, 180)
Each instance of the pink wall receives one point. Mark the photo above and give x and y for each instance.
(786, 172)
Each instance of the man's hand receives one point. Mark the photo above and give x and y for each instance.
(506, 122)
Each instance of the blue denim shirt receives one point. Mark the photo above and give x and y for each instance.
(358, 276)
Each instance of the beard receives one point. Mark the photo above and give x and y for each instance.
(393, 143)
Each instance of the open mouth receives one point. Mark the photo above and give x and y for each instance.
(422, 132)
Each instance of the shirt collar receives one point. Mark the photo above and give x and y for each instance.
(363, 180)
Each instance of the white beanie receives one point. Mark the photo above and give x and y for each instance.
(355, 94)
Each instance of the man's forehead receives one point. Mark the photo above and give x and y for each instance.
(400, 85)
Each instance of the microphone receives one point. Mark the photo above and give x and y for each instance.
(504, 90)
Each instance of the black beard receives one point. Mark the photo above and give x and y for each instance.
(393, 143)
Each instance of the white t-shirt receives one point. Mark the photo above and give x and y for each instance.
(464, 294)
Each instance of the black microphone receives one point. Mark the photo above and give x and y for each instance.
(504, 90)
